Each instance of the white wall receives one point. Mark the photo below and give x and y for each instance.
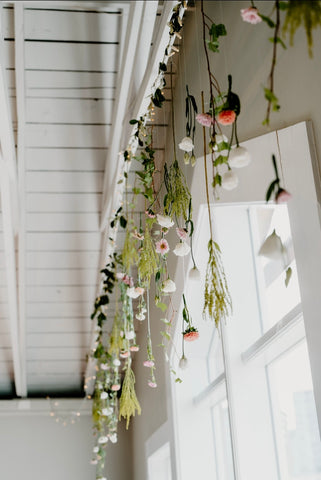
(34, 447)
(246, 54)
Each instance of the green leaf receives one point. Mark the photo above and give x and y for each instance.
(216, 245)
(283, 5)
(270, 190)
(165, 335)
(162, 67)
(162, 306)
(157, 276)
(288, 275)
(278, 40)
(219, 161)
(267, 20)
(217, 180)
(123, 222)
(133, 121)
(178, 380)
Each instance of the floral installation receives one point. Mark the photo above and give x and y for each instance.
(145, 258)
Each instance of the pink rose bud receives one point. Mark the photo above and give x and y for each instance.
(251, 15)
(204, 119)
(115, 388)
(226, 117)
(148, 363)
(191, 336)
(282, 196)
(152, 384)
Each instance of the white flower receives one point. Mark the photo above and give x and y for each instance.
(182, 249)
(229, 180)
(183, 363)
(96, 449)
(104, 366)
(94, 461)
(239, 157)
(113, 437)
(186, 144)
(103, 439)
(168, 286)
(272, 248)
(130, 335)
(116, 362)
(140, 316)
(221, 138)
(107, 411)
(164, 221)
(135, 292)
(194, 274)
(104, 395)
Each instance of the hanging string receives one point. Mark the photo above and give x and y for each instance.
(198, 47)
(224, 49)
(280, 158)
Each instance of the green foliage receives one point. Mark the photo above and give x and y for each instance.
(215, 32)
(128, 404)
(130, 255)
(217, 300)
(158, 98)
(268, 21)
(177, 200)
(116, 341)
(303, 13)
(148, 261)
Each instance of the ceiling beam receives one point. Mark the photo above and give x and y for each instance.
(21, 122)
(9, 202)
(114, 167)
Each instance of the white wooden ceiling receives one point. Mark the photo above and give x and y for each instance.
(64, 67)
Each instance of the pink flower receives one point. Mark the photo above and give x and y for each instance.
(162, 246)
(191, 336)
(137, 235)
(226, 117)
(148, 363)
(152, 384)
(115, 387)
(150, 213)
(134, 348)
(128, 280)
(124, 354)
(282, 196)
(204, 119)
(251, 15)
(182, 233)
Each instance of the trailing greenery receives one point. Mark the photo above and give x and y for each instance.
(129, 255)
(148, 260)
(217, 300)
(302, 13)
(177, 199)
(128, 404)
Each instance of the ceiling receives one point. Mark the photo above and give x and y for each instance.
(72, 74)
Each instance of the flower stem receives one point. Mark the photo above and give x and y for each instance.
(275, 42)
(205, 172)
(173, 113)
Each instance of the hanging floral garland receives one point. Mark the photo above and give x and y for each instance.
(143, 261)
